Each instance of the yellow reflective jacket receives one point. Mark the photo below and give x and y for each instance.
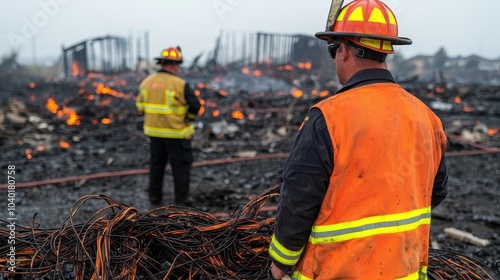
(161, 98)
(374, 221)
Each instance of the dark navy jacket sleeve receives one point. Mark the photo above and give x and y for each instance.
(440, 189)
(191, 99)
(306, 177)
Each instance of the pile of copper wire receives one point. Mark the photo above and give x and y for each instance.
(445, 265)
(169, 242)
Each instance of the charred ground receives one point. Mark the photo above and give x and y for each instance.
(43, 146)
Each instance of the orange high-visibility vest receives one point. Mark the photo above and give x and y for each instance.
(374, 221)
(161, 97)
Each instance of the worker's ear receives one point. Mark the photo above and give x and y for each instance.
(344, 52)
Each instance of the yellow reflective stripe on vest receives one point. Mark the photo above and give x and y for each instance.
(297, 276)
(419, 275)
(169, 132)
(162, 109)
(282, 254)
(365, 227)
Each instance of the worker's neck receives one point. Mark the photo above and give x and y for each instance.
(170, 68)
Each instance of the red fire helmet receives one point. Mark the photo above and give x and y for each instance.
(368, 23)
(170, 55)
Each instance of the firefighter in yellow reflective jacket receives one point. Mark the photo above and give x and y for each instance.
(169, 106)
(366, 167)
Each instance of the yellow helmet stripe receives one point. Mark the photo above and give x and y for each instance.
(356, 15)
(342, 14)
(377, 16)
(392, 18)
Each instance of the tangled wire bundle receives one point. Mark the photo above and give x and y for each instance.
(170, 242)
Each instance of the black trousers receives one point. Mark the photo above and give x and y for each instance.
(180, 155)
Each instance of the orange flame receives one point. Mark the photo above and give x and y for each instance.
(102, 89)
(223, 92)
(201, 111)
(492, 131)
(76, 69)
(297, 93)
(287, 67)
(52, 105)
(106, 121)
(237, 115)
(216, 113)
(63, 144)
(305, 65)
(324, 93)
(245, 71)
(73, 118)
(458, 100)
(27, 152)
(200, 85)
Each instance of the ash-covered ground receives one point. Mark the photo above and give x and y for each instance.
(41, 145)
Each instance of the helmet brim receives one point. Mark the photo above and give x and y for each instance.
(328, 35)
(162, 60)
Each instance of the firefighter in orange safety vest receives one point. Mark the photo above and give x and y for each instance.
(366, 168)
(169, 105)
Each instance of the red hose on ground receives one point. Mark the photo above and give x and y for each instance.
(482, 150)
(137, 171)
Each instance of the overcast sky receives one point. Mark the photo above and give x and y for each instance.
(461, 27)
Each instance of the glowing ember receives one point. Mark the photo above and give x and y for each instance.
(324, 93)
(201, 111)
(468, 109)
(27, 152)
(257, 73)
(297, 93)
(237, 115)
(63, 144)
(106, 121)
(458, 100)
(286, 67)
(32, 85)
(439, 89)
(492, 131)
(305, 65)
(216, 113)
(245, 71)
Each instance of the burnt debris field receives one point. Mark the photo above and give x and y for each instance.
(72, 138)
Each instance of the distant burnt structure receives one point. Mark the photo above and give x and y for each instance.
(268, 48)
(108, 54)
